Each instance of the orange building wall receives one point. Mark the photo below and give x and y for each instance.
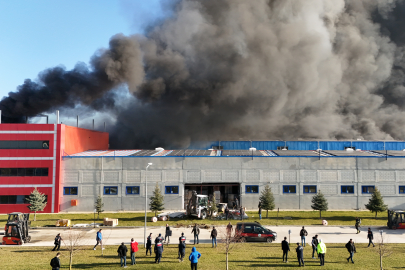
(76, 140)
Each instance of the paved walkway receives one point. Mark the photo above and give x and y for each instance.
(329, 234)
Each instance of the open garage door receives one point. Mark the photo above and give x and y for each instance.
(224, 193)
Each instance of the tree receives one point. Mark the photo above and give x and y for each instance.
(320, 203)
(376, 203)
(267, 200)
(229, 239)
(37, 201)
(74, 243)
(213, 206)
(99, 206)
(156, 201)
(383, 250)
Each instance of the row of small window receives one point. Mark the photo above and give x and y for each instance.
(15, 199)
(313, 189)
(113, 190)
(24, 144)
(23, 172)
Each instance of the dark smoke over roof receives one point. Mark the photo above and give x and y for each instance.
(236, 69)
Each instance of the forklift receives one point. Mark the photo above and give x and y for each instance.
(396, 219)
(16, 229)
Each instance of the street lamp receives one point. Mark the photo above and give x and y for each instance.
(94, 218)
(146, 201)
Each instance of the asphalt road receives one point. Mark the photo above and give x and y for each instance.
(329, 234)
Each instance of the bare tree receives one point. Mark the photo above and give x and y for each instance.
(383, 249)
(228, 240)
(74, 242)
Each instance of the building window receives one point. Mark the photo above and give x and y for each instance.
(13, 199)
(401, 189)
(172, 190)
(133, 190)
(289, 189)
(13, 172)
(24, 144)
(110, 190)
(367, 189)
(309, 189)
(70, 191)
(347, 189)
(252, 189)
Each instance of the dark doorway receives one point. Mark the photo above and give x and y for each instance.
(224, 193)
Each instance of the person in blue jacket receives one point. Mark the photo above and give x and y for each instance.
(99, 239)
(194, 256)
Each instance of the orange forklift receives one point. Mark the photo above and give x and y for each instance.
(16, 229)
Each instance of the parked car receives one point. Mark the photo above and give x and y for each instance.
(254, 232)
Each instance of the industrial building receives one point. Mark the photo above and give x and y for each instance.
(72, 166)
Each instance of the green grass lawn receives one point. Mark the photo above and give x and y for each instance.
(243, 256)
(297, 218)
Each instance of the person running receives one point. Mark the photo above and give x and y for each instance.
(99, 239)
(300, 254)
(149, 244)
(285, 247)
(369, 236)
(357, 225)
(351, 248)
(321, 249)
(194, 256)
(168, 233)
(55, 262)
(122, 252)
(134, 248)
(182, 247)
(196, 231)
(314, 244)
(158, 250)
(303, 233)
(58, 240)
(260, 210)
(214, 234)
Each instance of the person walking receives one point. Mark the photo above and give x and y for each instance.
(303, 233)
(58, 240)
(214, 234)
(314, 244)
(99, 239)
(260, 210)
(321, 249)
(168, 233)
(369, 236)
(357, 225)
(55, 262)
(196, 231)
(149, 244)
(285, 247)
(241, 212)
(134, 248)
(182, 247)
(122, 252)
(300, 254)
(226, 212)
(351, 248)
(194, 256)
(158, 250)
(229, 228)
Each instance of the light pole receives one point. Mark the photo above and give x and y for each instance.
(146, 202)
(94, 218)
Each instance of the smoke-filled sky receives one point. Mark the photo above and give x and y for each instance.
(236, 69)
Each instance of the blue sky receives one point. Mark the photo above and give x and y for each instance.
(35, 35)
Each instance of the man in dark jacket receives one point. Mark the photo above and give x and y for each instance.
(158, 251)
(226, 212)
(351, 249)
(214, 234)
(168, 233)
(285, 247)
(314, 244)
(196, 232)
(357, 225)
(260, 210)
(122, 252)
(300, 254)
(55, 262)
(149, 244)
(303, 233)
(370, 237)
(194, 256)
(159, 238)
(182, 247)
(57, 242)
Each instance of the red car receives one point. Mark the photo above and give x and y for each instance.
(254, 232)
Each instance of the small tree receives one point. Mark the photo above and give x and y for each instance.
(267, 200)
(37, 201)
(376, 203)
(213, 205)
(74, 243)
(156, 201)
(99, 206)
(383, 250)
(320, 203)
(228, 241)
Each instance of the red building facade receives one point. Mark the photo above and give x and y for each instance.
(30, 156)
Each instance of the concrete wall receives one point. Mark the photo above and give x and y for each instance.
(328, 174)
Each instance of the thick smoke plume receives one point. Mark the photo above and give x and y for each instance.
(237, 69)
